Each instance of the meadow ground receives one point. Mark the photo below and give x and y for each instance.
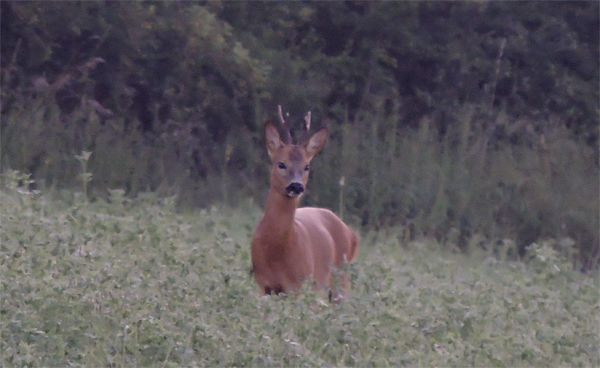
(132, 283)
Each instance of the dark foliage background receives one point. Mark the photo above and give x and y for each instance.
(459, 120)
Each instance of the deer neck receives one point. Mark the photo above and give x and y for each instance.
(279, 217)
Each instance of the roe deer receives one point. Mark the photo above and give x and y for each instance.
(292, 244)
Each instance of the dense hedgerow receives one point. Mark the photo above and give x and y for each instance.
(131, 283)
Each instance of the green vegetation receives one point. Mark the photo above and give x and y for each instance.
(129, 282)
(463, 145)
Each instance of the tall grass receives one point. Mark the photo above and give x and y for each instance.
(483, 174)
(486, 175)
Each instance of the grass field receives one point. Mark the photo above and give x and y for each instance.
(132, 283)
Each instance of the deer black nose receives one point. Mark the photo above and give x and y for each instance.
(294, 189)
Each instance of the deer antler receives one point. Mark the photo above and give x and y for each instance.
(287, 138)
(306, 128)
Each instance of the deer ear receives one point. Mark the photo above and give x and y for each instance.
(316, 142)
(272, 139)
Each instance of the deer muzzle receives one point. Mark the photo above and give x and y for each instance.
(295, 189)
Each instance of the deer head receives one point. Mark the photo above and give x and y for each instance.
(289, 173)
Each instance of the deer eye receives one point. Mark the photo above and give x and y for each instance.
(306, 168)
(281, 165)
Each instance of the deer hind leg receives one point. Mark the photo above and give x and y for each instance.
(337, 294)
(339, 284)
(339, 279)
